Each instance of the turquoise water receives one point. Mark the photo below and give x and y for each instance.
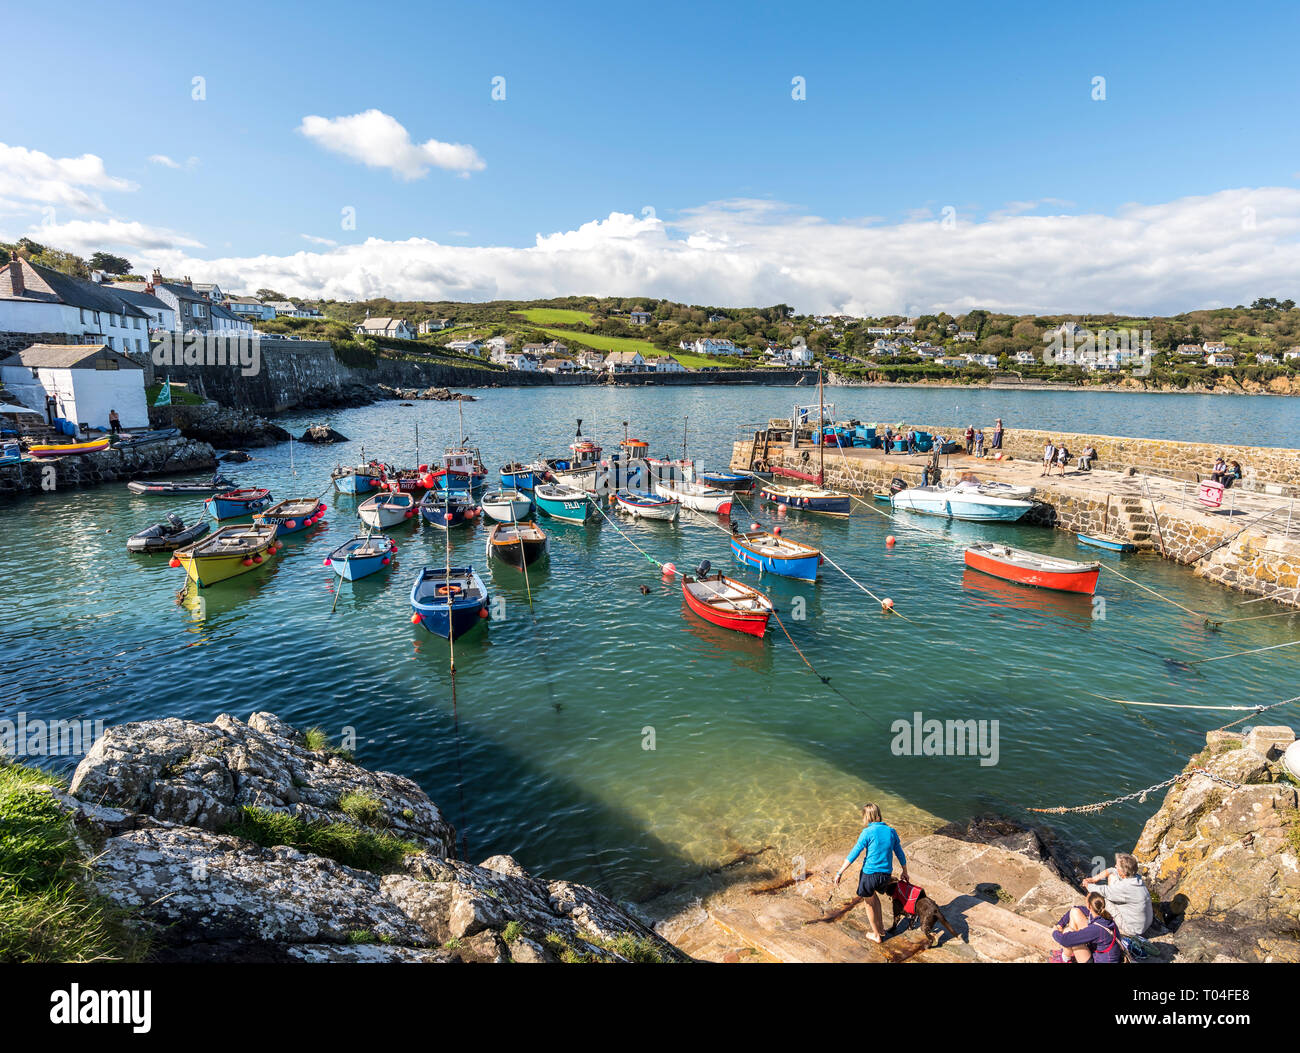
(540, 752)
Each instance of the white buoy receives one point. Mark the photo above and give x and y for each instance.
(1291, 759)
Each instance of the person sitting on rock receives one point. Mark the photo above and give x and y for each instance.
(1126, 896)
(1088, 934)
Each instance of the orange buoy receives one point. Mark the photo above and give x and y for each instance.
(415, 619)
(890, 540)
(670, 569)
(887, 604)
(174, 562)
(781, 509)
(776, 530)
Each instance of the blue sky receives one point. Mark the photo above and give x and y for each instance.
(674, 107)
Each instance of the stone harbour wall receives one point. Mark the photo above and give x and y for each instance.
(50, 475)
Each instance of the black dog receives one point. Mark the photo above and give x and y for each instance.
(926, 912)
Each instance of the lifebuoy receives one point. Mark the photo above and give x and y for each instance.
(450, 589)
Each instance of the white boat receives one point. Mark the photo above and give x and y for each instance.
(996, 489)
(506, 506)
(694, 495)
(640, 505)
(387, 510)
(961, 502)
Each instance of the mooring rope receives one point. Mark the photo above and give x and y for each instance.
(1157, 595)
(1137, 795)
(1238, 654)
(595, 503)
(1177, 705)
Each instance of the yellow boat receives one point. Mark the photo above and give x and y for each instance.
(51, 449)
(228, 551)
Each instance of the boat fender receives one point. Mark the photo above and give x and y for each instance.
(415, 619)
(1291, 759)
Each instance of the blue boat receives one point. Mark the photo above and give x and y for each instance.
(808, 498)
(362, 555)
(291, 515)
(562, 502)
(235, 503)
(724, 480)
(357, 480)
(447, 508)
(1111, 544)
(516, 476)
(776, 555)
(448, 601)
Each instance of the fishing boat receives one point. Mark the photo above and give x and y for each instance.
(228, 551)
(1031, 568)
(519, 544)
(63, 449)
(216, 484)
(730, 604)
(1106, 541)
(563, 502)
(517, 476)
(776, 554)
(462, 469)
(358, 478)
(506, 506)
(808, 498)
(580, 469)
(235, 503)
(448, 601)
(641, 505)
(697, 496)
(168, 534)
(412, 480)
(448, 508)
(736, 481)
(291, 515)
(386, 510)
(957, 502)
(362, 555)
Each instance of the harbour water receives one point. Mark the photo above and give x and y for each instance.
(542, 750)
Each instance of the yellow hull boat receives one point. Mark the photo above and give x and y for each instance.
(227, 552)
(50, 449)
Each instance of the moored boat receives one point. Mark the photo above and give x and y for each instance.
(166, 535)
(136, 439)
(291, 515)
(506, 506)
(562, 502)
(216, 484)
(519, 544)
(234, 503)
(63, 449)
(580, 470)
(462, 469)
(447, 508)
(357, 479)
(517, 476)
(966, 503)
(1031, 568)
(808, 498)
(641, 505)
(696, 496)
(362, 555)
(738, 481)
(448, 601)
(730, 604)
(386, 510)
(228, 551)
(776, 554)
(1106, 541)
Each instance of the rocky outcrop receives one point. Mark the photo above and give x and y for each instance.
(224, 428)
(322, 435)
(1222, 854)
(235, 841)
(50, 475)
(426, 394)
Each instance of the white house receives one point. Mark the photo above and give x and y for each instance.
(523, 363)
(225, 320)
(250, 307)
(952, 363)
(591, 360)
(666, 364)
(1214, 347)
(1025, 358)
(1189, 350)
(434, 325)
(211, 290)
(160, 314)
(928, 352)
(905, 330)
(1266, 358)
(711, 345)
(396, 328)
(879, 330)
(192, 310)
(87, 380)
(558, 365)
(639, 317)
(801, 355)
(965, 336)
(1291, 356)
(38, 300)
(1220, 359)
(469, 347)
(624, 362)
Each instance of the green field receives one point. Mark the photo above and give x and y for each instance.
(554, 316)
(626, 343)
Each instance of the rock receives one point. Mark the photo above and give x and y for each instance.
(1270, 741)
(156, 802)
(234, 456)
(322, 434)
(1038, 846)
(227, 428)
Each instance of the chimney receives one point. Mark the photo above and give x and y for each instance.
(155, 280)
(11, 280)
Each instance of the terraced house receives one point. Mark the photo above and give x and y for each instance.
(40, 305)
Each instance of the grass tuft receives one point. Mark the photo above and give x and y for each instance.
(363, 808)
(342, 842)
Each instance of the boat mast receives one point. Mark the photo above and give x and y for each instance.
(821, 426)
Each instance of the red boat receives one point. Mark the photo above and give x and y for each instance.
(730, 604)
(1030, 568)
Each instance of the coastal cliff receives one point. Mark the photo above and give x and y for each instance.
(235, 841)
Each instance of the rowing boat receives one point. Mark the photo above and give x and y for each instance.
(1106, 541)
(562, 502)
(357, 479)
(516, 476)
(954, 502)
(228, 551)
(448, 602)
(291, 515)
(1031, 568)
(447, 508)
(387, 509)
(506, 506)
(694, 495)
(640, 505)
(216, 484)
(776, 555)
(235, 503)
(808, 498)
(730, 604)
(361, 555)
(519, 544)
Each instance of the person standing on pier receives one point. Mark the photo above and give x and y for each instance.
(997, 435)
(1049, 455)
(881, 844)
(979, 442)
(970, 439)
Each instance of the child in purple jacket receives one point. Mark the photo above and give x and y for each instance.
(1089, 934)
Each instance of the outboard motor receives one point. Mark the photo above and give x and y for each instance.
(702, 571)
(896, 485)
(175, 522)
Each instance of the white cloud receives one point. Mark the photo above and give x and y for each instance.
(380, 141)
(1223, 248)
(90, 235)
(164, 160)
(41, 181)
(318, 241)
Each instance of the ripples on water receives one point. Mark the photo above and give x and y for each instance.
(541, 753)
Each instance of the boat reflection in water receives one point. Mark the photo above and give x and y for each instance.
(226, 604)
(747, 652)
(993, 592)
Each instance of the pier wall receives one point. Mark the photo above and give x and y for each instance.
(1253, 560)
(50, 475)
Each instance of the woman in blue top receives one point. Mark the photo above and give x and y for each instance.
(880, 844)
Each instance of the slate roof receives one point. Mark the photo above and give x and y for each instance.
(66, 356)
(43, 285)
